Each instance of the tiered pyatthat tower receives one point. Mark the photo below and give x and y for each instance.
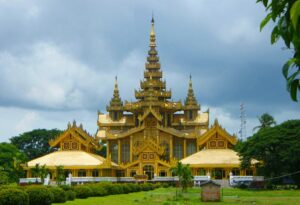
(153, 95)
(145, 138)
(149, 135)
(115, 107)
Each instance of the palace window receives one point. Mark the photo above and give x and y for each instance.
(115, 115)
(249, 172)
(162, 173)
(133, 173)
(81, 173)
(191, 147)
(95, 173)
(166, 146)
(106, 172)
(178, 149)
(114, 151)
(190, 114)
(169, 120)
(120, 173)
(125, 151)
(66, 146)
(235, 172)
(136, 121)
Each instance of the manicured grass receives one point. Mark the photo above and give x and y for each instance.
(166, 196)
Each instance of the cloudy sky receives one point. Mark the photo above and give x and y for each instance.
(58, 59)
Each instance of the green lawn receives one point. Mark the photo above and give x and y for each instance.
(166, 196)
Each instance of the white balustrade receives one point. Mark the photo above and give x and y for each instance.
(237, 180)
(29, 180)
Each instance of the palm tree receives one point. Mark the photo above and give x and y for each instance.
(40, 172)
(36, 171)
(184, 173)
(266, 121)
(43, 173)
(60, 175)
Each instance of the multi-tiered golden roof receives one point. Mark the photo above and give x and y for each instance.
(149, 135)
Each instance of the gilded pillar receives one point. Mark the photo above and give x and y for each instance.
(107, 149)
(131, 147)
(184, 148)
(171, 147)
(119, 151)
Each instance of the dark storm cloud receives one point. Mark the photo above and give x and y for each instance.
(63, 55)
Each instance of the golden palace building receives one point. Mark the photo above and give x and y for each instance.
(148, 136)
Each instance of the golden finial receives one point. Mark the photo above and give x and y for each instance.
(116, 82)
(190, 83)
(216, 122)
(152, 33)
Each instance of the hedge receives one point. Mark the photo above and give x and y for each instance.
(70, 195)
(59, 195)
(83, 192)
(12, 196)
(39, 195)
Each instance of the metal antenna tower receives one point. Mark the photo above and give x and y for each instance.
(242, 131)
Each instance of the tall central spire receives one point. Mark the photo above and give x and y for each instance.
(153, 89)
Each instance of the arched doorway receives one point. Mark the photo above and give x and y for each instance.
(149, 171)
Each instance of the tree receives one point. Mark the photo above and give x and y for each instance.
(184, 173)
(60, 175)
(286, 14)
(40, 172)
(102, 150)
(4, 177)
(277, 148)
(35, 143)
(266, 121)
(10, 161)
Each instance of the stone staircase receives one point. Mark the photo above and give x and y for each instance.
(223, 182)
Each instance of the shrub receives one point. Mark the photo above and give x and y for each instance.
(98, 190)
(11, 186)
(127, 188)
(70, 195)
(59, 195)
(66, 187)
(109, 188)
(13, 197)
(133, 187)
(146, 187)
(83, 192)
(39, 195)
(118, 189)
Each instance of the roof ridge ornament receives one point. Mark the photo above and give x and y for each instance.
(152, 34)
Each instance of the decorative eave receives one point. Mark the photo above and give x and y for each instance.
(174, 132)
(216, 128)
(77, 132)
(124, 134)
(153, 112)
(151, 145)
